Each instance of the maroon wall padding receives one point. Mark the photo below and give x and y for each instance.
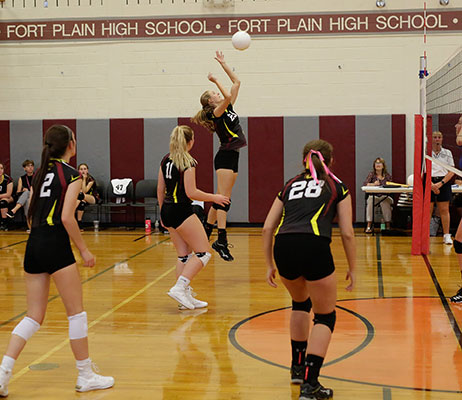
(266, 164)
(70, 123)
(203, 153)
(127, 154)
(5, 145)
(340, 132)
(398, 148)
(446, 124)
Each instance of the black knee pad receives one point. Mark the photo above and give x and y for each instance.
(302, 306)
(326, 319)
(81, 206)
(220, 207)
(457, 246)
(3, 204)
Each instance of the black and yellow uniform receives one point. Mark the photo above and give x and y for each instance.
(177, 205)
(5, 180)
(48, 248)
(26, 181)
(232, 138)
(302, 244)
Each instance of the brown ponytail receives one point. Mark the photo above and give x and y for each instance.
(55, 143)
(325, 148)
(201, 117)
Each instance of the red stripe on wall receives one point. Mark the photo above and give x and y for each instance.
(5, 147)
(340, 132)
(266, 164)
(398, 148)
(446, 124)
(203, 153)
(70, 123)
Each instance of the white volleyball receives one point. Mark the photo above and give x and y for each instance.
(241, 40)
(410, 180)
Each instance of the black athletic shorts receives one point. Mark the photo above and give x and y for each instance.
(445, 191)
(173, 215)
(303, 254)
(227, 159)
(48, 250)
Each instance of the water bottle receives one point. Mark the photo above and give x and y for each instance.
(156, 225)
(382, 225)
(147, 226)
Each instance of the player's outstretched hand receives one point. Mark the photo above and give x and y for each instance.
(88, 258)
(211, 77)
(220, 57)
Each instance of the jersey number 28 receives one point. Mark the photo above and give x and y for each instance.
(305, 188)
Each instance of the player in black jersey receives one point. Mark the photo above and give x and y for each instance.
(302, 217)
(175, 188)
(23, 190)
(88, 193)
(218, 115)
(48, 253)
(6, 196)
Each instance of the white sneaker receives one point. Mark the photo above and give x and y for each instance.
(196, 303)
(93, 382)
(4, 379)
(447, 238)
(181, 296)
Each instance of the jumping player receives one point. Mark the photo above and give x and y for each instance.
(175, 189)
(301, 216)
(53, 201)
(218, 115)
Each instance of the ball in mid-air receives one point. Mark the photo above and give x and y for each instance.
(241, 40)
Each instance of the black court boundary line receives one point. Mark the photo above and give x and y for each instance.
(13, 244)
(369, 336)
(444, 301)
(90, 278)
(386, 388)
(379, 267)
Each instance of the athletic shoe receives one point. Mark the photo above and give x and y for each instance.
(4, 379)
(457, 298)
(197, 303)
(308, 392)
(181, 296)
(93, 382)
(222, 250)
(297, 373)
(447, 238)
(9, 214)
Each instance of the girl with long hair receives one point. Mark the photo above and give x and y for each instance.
(303, 257)
(88, 193)
(218, 115)
(176, 188)
(54, 192)
(6, 197)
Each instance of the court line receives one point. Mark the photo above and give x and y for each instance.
(93, 323)
(90, 278)
(444, 301)
(379, 267)
(13, 244)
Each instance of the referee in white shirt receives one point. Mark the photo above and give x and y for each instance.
(441, 187)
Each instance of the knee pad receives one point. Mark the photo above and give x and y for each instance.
(3, 204)
(326, 319)
(220, 207)
(81, 206)
(78, 327)
(185, 259)
(204, 257)
(457, 246)
(302, 306)
(26, 328)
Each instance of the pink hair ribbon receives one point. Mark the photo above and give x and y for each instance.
(309, 165)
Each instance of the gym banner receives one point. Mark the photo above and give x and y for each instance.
(410, 22)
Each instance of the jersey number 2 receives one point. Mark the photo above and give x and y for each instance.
(45, 191)
(311, 188)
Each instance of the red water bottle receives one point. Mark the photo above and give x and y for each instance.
(147, 225)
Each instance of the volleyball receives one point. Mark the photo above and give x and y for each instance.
(410, 180)
(241, 40)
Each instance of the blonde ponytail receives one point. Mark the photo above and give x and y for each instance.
(201, 117)
(179, 139)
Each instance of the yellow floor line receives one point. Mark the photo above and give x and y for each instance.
(92, 324)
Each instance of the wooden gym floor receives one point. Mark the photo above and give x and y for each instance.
(396, 335)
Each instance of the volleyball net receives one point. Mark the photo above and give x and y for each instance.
(441, 108)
